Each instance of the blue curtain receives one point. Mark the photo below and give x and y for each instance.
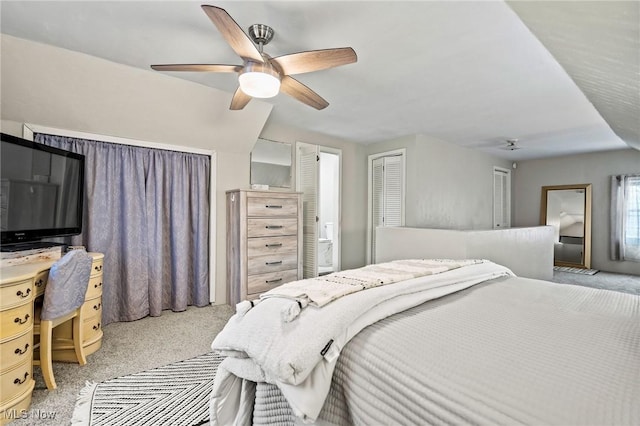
(147, 210)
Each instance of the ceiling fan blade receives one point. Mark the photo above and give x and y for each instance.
(198, 67)
(240, 100)
(315, 60)
(232, 33)
(299, 91)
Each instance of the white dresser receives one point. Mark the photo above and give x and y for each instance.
(264, 242)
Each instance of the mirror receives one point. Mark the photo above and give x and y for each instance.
(271, 164)
(567, 208)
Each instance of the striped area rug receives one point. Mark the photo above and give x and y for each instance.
(583, 271)
(176, 394)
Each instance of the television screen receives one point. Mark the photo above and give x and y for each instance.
(41, 191)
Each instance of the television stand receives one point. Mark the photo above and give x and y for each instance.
(32, 245)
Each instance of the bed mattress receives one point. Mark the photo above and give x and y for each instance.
(509, 351)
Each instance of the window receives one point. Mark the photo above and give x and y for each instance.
(625, 217)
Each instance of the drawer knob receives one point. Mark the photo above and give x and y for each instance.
(96, 327)
(273, 206)
(277, 280)
(19, 351)
(274, 245)
(19, 382)
(97, 285)
(20, 320)
(277, 262)
(19, 293)
(39, 283)
(97, 307)
(98, 268)
(274, 226)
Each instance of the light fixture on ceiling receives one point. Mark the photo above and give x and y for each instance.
(511, 145)
(259, 80)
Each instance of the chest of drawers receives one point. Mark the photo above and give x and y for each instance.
(264, 242)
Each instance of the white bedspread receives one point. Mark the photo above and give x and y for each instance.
(299, 356)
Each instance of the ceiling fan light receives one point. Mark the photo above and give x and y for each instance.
(259, 80)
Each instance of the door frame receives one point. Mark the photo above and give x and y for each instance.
(402, 152)
(508, 173)
(337, 227)
(337, 245)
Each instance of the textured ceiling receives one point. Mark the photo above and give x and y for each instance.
(598, 44)
(470, 73)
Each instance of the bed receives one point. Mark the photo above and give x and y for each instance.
(469, 344)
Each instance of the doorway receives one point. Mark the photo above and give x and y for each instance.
(318, 177)
(386, 194)
(501, 198)
(329, 212)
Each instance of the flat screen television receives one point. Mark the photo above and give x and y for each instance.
(41, 191)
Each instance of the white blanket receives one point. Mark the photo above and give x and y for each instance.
(299, 356)
(325, 289)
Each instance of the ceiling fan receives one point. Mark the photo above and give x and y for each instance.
(511, 145)
(261, 76)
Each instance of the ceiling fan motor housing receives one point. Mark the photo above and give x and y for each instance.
(261, 34)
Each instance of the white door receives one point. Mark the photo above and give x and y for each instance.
(387, 195)
(501, 198)
(307, 182)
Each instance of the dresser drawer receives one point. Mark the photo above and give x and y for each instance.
(96, 267)
(276, 206)
(40, 282)
(271, 227)
(16, 351)
(17, 320)
(16, 381)
(92, 308)
(257, 284)
(272, 263)
(91, 328)
(15, 294)
(272, 245)
(94, 289)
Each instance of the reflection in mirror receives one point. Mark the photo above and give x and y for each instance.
(567, 208)
(271, 164)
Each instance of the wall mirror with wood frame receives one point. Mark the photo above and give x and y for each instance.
(567, 208)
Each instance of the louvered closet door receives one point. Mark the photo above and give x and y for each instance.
(377, 194)
(393, 191)
(501, 199)
(307, 172)
(387, 195)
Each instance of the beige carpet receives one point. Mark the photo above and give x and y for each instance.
(127, 347)
(605, 280)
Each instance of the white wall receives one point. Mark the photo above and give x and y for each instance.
(447, 186)
(594, 168)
